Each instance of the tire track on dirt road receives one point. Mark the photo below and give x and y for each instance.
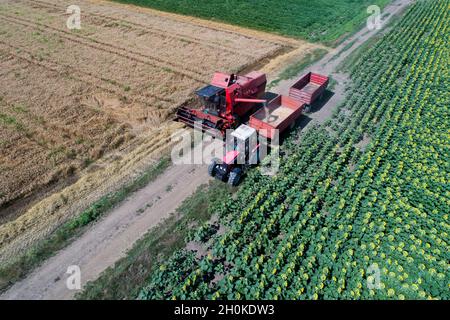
(101, 246)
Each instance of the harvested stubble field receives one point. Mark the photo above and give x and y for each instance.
(84, 111)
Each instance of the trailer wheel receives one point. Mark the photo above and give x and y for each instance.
(235, 177)
(212, 167)
(307, 108)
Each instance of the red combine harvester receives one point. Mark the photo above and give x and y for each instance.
(240, 103)
(227, 102)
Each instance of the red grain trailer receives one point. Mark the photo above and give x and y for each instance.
(308, 88)
(280, 114)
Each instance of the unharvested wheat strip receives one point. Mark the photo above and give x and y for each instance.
(29, 113)
(98, 45)
(40, 131)
(152, 29)
(13, 240)
(40, 178)
(33, 138)
(29, 135)
(55, 67)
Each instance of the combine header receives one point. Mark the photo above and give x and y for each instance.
(240, 103)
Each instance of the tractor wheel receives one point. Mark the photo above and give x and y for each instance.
(212, 167)
(235, 177)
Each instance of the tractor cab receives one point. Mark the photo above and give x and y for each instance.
(241, 152)
(244, 141)
(212, 99)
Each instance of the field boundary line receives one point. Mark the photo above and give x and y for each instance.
(152, 29)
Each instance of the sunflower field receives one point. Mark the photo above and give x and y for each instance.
(343, 220)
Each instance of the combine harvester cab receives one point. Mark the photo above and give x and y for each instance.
(208, 117)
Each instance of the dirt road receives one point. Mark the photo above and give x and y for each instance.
(110, 238)
(329, 63)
